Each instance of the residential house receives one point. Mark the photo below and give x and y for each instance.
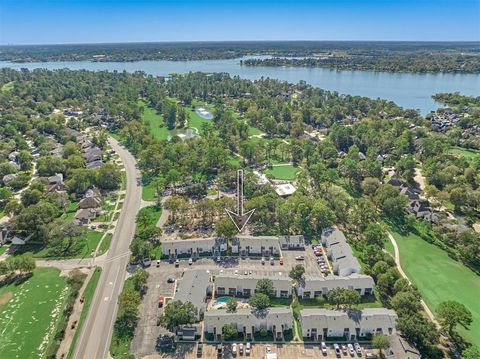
(194, 287)
(9, 178)
(248, 321)
(243, 285)
(194, 247)
(56, 184)
(319, 324)
(85, 215)
(259, 245)
(314, 286)
(92, 199)
(339, 251)
(420, 208)
(292, 242)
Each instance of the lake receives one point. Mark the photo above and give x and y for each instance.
(405, 89)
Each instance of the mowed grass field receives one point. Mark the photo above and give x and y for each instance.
(465, 152)
(282, 172)
(156, 122)
(440, 278)
(30, 315)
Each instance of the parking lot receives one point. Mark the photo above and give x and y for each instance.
(147, 330)
(283, 351)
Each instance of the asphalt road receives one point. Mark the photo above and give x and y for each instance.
(94, 340)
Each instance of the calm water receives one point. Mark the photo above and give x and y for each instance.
(408, 90)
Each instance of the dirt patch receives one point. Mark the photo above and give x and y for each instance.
(5, 297)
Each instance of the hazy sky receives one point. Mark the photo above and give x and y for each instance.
(75, 21)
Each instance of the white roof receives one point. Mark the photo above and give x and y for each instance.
(285, 189)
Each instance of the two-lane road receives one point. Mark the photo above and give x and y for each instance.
(94, 340)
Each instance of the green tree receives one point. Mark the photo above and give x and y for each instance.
(265, 286)
(451, 314)
(259, 301)
(178, 313)
(351, 297)
(225, 228)
(229, 332)
(336, 297)
(380, 342)
(232, 305)
(140, 279)
(109, 177)
(472, 352)
(296, 273)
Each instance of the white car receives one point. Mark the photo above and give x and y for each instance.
(299, 258)
(351, 351)
(240, 348)
(358, 348)
(324, 348)
(268, 349)
(248, 348)
(234, 349)
(190, 261)
(263, 260)
(336, 347)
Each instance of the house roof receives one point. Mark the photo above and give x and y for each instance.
(285, 189)
(341, 252)
(86, 213)
(266, 241)
(192, 287)
(242, 312)
(95, 164)
(292, 240)
(371, 317)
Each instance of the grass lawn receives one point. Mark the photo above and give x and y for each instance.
(105, 244)
(7, 87)
(153, 214)
(91, 241)
(253, 131)
(4, 248)
(465, 152)
(195, 120)
(157, 125)
(69, 215)
(148, 191)
(29, 319)
(88, 295)
(440, 278)
(282, 172)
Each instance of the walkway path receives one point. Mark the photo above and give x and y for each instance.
(404, 275)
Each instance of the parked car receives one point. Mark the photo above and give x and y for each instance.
(158, 263)
(344, 349)
(240, 348)
(248, 348)
(219, 259)
(177, 263)
(336, 348)
(161, 300)
(190, 261)
(324, 348)
(219, 350)
(272, 261)
(281, 261)
(299, 258)
(147, 262)
(171, 280)
(234, 349)
(263, 260)
(358, 348)
(199, 350)
(351, 351)
(371, 356)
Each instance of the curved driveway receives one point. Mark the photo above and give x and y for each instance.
(94, 340)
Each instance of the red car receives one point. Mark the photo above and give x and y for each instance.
(161, 299)
(281, 261)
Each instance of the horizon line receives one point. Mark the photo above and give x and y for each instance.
(235, 41)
